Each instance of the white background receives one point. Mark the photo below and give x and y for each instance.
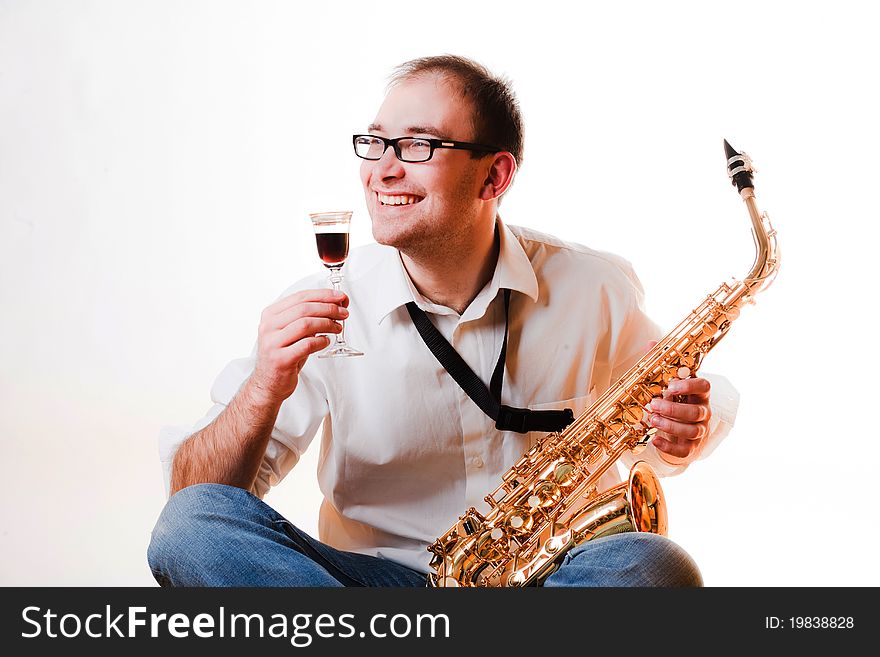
(158, 161)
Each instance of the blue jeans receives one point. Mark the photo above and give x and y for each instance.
(216, 535)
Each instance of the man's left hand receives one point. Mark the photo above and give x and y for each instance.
(682, 419)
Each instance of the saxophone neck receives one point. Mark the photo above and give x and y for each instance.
(766, 257)
(740, 169)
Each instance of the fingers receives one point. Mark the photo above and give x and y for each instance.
(680, 423)
(688, 412)
(290, 331)
(283, 322)
(288, 359)
(678, 448)
(694, 386)
(307, 309)
(300, 329)
(324, 295)
(276, 372)
(681, 417)
(304, 348)
(676, 429)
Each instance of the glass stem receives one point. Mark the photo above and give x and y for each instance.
(335, 280)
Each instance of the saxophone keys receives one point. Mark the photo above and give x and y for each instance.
(630, 412)
(639, 446)
(669, 375)
(555, 543)
(564, 474)
(487, 545)
(545, 494)
(640, 395)
(591, 493)
(468, 526)
(518, 521)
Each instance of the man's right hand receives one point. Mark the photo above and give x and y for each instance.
(288, 335)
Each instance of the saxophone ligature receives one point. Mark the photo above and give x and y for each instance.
(548, 501)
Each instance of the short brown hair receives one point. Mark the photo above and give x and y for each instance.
(497, 118)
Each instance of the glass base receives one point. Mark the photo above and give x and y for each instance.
(341, 351)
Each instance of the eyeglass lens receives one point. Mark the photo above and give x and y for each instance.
(408, 149)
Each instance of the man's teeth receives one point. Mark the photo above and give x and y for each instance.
(398, 199)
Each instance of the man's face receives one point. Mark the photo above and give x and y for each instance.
(418, 206)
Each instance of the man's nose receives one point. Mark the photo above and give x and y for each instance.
(388, 166)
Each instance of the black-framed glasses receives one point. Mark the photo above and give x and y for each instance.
(411, 149)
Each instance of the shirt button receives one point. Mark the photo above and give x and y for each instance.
(477, 462)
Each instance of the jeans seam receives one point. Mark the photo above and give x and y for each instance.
(313, 554)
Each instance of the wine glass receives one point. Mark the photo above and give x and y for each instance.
(331, 235)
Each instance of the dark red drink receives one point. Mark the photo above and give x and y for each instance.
(332, 248)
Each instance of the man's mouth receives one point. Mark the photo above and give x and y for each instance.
(398, 199)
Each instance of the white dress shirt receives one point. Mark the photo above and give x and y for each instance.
(404, 451)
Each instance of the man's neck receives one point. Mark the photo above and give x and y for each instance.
(454, 277)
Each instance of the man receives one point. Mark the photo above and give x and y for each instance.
(404, 449)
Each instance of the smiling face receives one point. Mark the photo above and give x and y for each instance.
(425, 207)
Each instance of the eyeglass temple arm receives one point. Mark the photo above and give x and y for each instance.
(463, 145)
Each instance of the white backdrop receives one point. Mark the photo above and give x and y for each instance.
(158, 161)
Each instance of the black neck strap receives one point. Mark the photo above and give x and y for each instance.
(507, 418)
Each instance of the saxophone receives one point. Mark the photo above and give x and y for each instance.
(548, 501)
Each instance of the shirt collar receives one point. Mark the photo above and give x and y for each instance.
(392, 288)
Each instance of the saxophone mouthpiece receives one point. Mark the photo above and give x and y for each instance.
(739, 168)
(729, 150)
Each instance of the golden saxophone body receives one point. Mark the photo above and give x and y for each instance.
(548, 501)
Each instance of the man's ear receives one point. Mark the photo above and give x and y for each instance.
(499, 176)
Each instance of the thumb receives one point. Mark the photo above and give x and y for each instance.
(651, 345)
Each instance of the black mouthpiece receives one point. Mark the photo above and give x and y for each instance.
(739, 168)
